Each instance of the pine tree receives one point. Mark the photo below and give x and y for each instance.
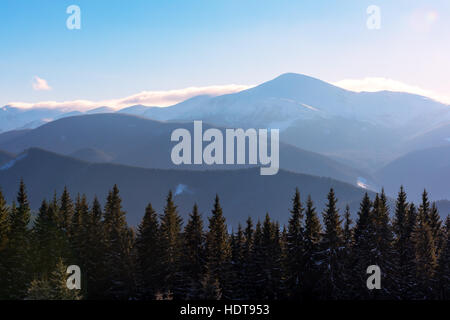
(18, 269)
(218, 249)
(248, 264)
(348, 231)
(194, 254)
(364, 247)
(66, 212)
(94, 254)
(271, 258)
(295, 248)
(238, 262)
(148, 254)
(119, 242)
(257, 278)
(404, 251)
(383, 253)
(4, 222)
(443, 273)
(311, 258)
(332, 267)
(348, 255)
(211, 287)
(53, 287)
(435, 223)
(171, 244)
(425, 252)
(4, 232)
(80, 231)
(48, 242)
(424, 208)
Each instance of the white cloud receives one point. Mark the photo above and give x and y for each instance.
(40, 84)
(379, 84)
(148, 98)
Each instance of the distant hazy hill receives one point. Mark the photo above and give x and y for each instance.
(427, 168)
(5, 157)
(435, 137)
(243, 192)
(142, 142)
(91, 155)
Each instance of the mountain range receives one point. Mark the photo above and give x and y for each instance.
(243, 192)
(135, 141)
(367, 139)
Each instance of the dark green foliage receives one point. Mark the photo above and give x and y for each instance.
(48, 241)
(313, 236)
(332, 281)
(404, 252)
(425, 251)
(4, 232)
(238, 264)
(148, 254)
(93, 256)
(171, 246)
(348, 231)
(443, 273)
(303, 261)
(54, 286)
(18, 267)
(218, 248)
(295, 248)
(66, 212)
(118, 245)
(193, 255)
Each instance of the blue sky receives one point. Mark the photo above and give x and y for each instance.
(126, 47)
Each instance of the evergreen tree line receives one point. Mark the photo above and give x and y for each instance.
(167, 259)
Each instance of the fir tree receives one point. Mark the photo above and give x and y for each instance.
(425, 253)
(295, 248)
(238, 262)
(218, 249)
(271, 258)
(248, 264)
(443, 275)
(348, 230)
(54, 287)
(194, 254)
(404, 252)
(80, 231)
(257, 278)
(118, 243)
(171, 244)
(18, 269)
(66, 211)
(148, 254)
(4, 232)
(435, 223)
(383, 253)
(332, 266)
(94, 255)
(312, 249)
(48, 244)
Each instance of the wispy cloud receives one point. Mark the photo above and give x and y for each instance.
(373, 84)
(40, 84)
(149, 98)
